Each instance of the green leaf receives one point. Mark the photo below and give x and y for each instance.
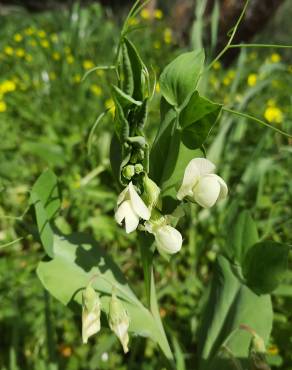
(179, 79)
(230, 305)
(241, 236)
(46, 189)
(46, 199)
(161, 146)
(265, 265)
(78, 259)
(197, 120)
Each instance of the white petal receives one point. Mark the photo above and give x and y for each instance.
(223, 188)
(131, 220)
(197, 167)
(123, 195)
(137, 203)
(122, 211)
(207, 191)
(168, 239)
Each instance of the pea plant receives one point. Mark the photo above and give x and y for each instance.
(157, 181)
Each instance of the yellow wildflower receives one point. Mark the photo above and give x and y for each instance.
(77, 78)
(42, 34)
(8, 50)
(56, 56)
(45, 44)
(67, 50)
(70, 59)
(54, 37)
(273, 115)
(32, 43)
(96, 90)
(145, 13)
(29, 31)
(231, 74)
(7, 86)
(100, 72)
(3, 106)
(109, 104)
(273, 350)
(158, 14)
(275, 58)
(167, 36)
(133, 21)
(217, 65)
(157, 44)
(17, 37)
(20, 53)
(226, 81)
(252, 79)
(88, 64)
(253, 55)
(157, 87)
(52, 76)
(28, 58)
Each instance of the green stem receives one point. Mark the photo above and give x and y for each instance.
(260, 46)
(248, 116)
(231, 37)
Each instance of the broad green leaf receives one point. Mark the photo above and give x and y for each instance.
(161, 146)
(46, 189)
(241, 236)
(179, 79)
(78, 259)
(265, 265)
(230, 305)
(197, 120)
(46, 199)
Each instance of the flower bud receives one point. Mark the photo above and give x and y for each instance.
(128, 172)
(168, 239)
(119, 321)
(151, 192)
(139, 168)
(90, 313)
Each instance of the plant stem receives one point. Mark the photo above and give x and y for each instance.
(222, 52)
(248, 116)
(260, 46)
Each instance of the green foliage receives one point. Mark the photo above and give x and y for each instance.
(78, 259)
(179, 79)
(230, 305)
(45, 197)
(265, 266)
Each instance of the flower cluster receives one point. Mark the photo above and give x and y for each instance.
(199, 185)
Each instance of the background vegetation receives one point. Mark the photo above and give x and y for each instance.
(46, 115)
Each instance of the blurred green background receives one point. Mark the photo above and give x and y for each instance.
(46, 114)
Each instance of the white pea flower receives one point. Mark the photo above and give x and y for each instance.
(130, 208)
(168, 239)
(201, 185)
